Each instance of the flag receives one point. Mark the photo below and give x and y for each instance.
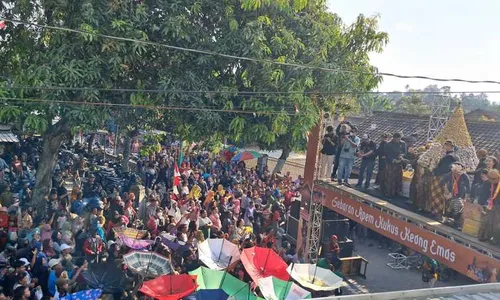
(2, 24)
(181, 153)
(177, 175)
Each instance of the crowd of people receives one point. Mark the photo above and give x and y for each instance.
(395, 153)
(45, 253)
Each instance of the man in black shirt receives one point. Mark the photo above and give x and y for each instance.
(367, 153)
(444, 165)
(328, 152)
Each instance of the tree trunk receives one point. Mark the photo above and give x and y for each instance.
(52, 140)
(91, 142)
(127, 143)
(281, 161)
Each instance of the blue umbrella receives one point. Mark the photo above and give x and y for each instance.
(84, 295)
(216, 294)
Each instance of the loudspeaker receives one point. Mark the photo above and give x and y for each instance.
(295, 209)
(340, 228)
(346, 248)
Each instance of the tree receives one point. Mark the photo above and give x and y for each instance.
(412, 104)
(472, 102)
(303, 34)
(36, 57)
(370, 103)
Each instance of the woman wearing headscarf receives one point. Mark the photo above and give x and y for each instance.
(457, 186)
(491, 229)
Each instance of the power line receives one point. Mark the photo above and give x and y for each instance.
(172, 108)
(207, 52)
(240, 93)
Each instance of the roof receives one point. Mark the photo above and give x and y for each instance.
(483, 115)
(6, 136)
(485, 135)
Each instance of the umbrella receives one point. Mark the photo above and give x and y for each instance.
(106, 277)
(84, 295)
(147, 263)
(135, 244)
(273, 288)
(130, 232)
(208, 294)
(171, 242)
(246, 155)
(169, 287)
(263, 262)
(313, 277)
(211, 280)
(217, 254)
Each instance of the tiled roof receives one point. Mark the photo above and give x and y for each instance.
(6, 136)
(485, 135)
(391, 122)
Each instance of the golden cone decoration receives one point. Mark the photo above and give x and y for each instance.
(454, 130)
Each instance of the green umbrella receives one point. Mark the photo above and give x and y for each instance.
(273, 288)
(209, 279)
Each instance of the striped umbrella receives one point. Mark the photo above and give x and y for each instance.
(130, 232)
(246, 155)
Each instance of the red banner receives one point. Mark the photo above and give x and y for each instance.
(467, 261)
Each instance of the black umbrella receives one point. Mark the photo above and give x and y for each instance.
(106, 277)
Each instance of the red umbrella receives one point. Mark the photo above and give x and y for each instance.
(263, 262)
(170, 287)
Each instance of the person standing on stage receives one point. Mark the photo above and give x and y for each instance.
(393, 182)
(328, 152)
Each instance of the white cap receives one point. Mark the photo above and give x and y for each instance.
(25, 261)
(64, 247)
(54, 262)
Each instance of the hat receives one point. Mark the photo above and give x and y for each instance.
(64, 247)
(92, 176)
(110, 243)
(25, 261)
(54, 262)
(365, 136)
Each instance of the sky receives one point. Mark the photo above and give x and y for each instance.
(437, 38)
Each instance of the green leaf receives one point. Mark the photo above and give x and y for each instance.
(233, 25)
